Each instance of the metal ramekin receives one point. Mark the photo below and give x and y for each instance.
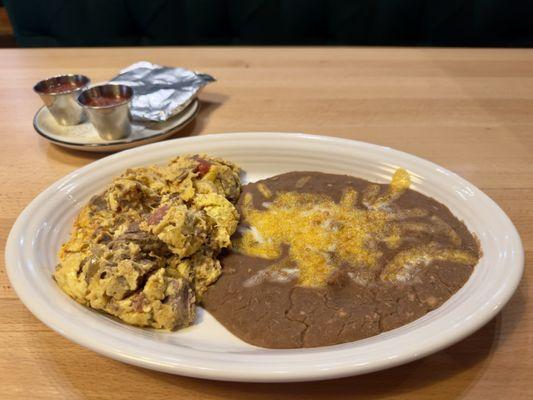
(63, 104)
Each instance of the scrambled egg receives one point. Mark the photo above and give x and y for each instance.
(145, 250)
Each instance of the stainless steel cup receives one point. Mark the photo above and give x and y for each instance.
(108, 109)
(60, 94)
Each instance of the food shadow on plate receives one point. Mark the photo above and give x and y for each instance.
(424, 374)
(466, 361)
(468, 358)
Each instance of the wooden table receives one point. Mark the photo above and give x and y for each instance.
(468, 110)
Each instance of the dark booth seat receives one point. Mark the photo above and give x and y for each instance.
(264, 22)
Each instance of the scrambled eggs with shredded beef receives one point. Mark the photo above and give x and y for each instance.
(145, 250)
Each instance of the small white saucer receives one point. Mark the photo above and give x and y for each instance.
(85, 138)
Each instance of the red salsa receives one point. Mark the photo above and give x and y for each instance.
(104, 101)
(59, 87)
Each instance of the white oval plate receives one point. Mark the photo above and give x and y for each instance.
(85, 138)
(208, 350)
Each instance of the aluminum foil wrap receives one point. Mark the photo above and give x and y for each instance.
(160, 92)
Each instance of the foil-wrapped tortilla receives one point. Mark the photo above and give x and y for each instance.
(160, 92)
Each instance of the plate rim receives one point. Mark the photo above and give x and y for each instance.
(234, 374)
(195, 105)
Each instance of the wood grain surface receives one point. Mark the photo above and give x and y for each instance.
(469, 110)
